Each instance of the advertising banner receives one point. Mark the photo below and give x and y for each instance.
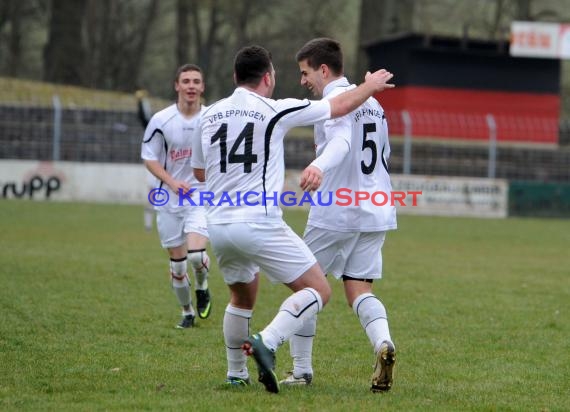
(73, 181)
(538, 39)
(454, 196)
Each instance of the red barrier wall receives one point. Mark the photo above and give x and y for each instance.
(461, 113)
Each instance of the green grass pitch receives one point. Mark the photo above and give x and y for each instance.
(478, 309)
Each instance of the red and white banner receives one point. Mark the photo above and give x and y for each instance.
(535, 39)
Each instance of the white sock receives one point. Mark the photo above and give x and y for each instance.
(372, 315)
(180, 283)
(200, 262)
(236, 331)
(294, 311)
(148, 218)
(301, 347)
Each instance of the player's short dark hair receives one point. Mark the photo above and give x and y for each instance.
(322, 51)
(187, 68)
(250, 65)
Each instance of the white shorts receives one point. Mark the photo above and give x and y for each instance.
(243, 248)
(354, 254)
(173, 227)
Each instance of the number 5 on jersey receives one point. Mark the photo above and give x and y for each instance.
(371, 144)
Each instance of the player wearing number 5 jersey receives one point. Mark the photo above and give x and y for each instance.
(241, 138)
(352, 153)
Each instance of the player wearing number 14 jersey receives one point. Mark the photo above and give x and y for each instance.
(241, 157)
(352, 153)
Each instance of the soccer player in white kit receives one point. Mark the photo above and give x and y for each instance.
(352, 152)
(182, 228)
(144, 112)
(242, 163)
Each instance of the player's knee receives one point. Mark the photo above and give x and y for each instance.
(178, 267)
(178, 270)
(320, 283)
(304, 301)
(199, 259)
(325, 291)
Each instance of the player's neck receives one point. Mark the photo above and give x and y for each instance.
(188, 109)
(329, 81)
(260, 90)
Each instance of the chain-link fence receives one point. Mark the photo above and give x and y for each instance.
(84, 135)
(429, 144)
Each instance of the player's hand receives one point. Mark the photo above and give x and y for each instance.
(379, 79)
(311, 178)
(177, 185)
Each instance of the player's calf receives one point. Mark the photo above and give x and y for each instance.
(201, 262)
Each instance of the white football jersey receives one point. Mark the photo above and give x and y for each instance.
(242, 152)
(364, 168)
(168, 139)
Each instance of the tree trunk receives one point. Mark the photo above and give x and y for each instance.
(131, 70)
(379, 18)
(243, 17)
(523, 10)
(15, 42)
(64, 53)
(182, 32)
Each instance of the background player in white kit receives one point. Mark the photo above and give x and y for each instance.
(352, 152)
(182, 228)
(242, 151)
(144, 112)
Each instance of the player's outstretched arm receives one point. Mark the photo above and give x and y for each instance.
(348, 101)
(311, 178)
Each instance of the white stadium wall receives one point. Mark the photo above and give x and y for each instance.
(73, 181)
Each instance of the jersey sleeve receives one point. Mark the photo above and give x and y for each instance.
(197, 161)
(338, 136)
(153, 141)
(305, 112)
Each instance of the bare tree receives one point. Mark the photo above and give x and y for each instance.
(16, 15)
(97, 33)
(523, 10)
(132, 69)
(11, 15)
(210, 42)
(117, 39)
(64, 53)
(380, 18)
(182, 32)
(204, 43)
(242, 23)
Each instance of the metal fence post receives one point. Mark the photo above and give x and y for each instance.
(407, 119)
(492, 164)
(56, 127)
